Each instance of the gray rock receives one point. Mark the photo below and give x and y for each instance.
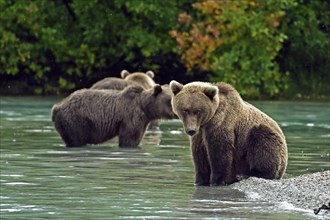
(308, 191)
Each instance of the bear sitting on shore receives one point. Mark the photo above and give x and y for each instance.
(145, 80)
(228, 136)
(90, 116)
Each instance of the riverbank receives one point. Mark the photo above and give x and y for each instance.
(308, 191)
(21, 87)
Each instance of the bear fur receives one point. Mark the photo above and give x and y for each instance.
(113, 83)
(229, 137)
(91, 116)
(145, 80)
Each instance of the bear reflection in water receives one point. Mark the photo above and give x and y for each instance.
(91, 116)
(229, 137)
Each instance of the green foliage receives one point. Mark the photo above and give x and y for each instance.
(66, 42)
(35, 45)
(55, 46)
(237, 41)
(306, 52)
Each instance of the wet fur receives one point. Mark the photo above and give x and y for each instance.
(113, 83)
(233, 138)
(95, 116)
(145, 80)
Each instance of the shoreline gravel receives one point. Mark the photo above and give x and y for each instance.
(308, 191)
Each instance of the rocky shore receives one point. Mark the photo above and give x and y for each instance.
(308, 191)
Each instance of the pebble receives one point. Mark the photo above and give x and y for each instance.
(308, 191)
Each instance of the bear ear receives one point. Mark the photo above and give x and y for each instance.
(176, 87)
(157, 89)
(150, 74)
(211, 91)
(131, 91)
(124, 74)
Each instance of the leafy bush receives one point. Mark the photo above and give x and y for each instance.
(68, 44)
(237, 41)
(58, 46)
(306, 52)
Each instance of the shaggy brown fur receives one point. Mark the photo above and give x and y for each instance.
(95, 116)
(145, 80)
(228, 136)
(113, 83)
(142, 79)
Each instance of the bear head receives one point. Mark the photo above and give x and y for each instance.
(142, 79)
(158, 102)
(194, 103)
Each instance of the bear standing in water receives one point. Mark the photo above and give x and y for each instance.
(228, 136)
(145, 80)
(94, 116)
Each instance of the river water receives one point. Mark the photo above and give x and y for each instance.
(40, 178)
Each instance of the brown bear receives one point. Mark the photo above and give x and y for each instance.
(140, 78)
(229, 137)
(91, 116)
(145, 80)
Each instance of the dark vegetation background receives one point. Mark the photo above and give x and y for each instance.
(274, 49)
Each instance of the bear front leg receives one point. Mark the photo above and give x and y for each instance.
(202, 166)
(220, 155)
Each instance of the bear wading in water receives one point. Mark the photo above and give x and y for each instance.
(145, 80)
(90, 116)
(229, 137)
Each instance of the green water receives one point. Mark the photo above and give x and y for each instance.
(41, 179)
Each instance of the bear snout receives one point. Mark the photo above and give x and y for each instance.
(191, 125)
(191, 131)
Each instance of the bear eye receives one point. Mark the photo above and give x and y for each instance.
(185, 111)
(197, 112)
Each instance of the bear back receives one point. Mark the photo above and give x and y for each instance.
(113, 83)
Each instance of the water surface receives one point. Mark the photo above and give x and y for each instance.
(40, 178)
